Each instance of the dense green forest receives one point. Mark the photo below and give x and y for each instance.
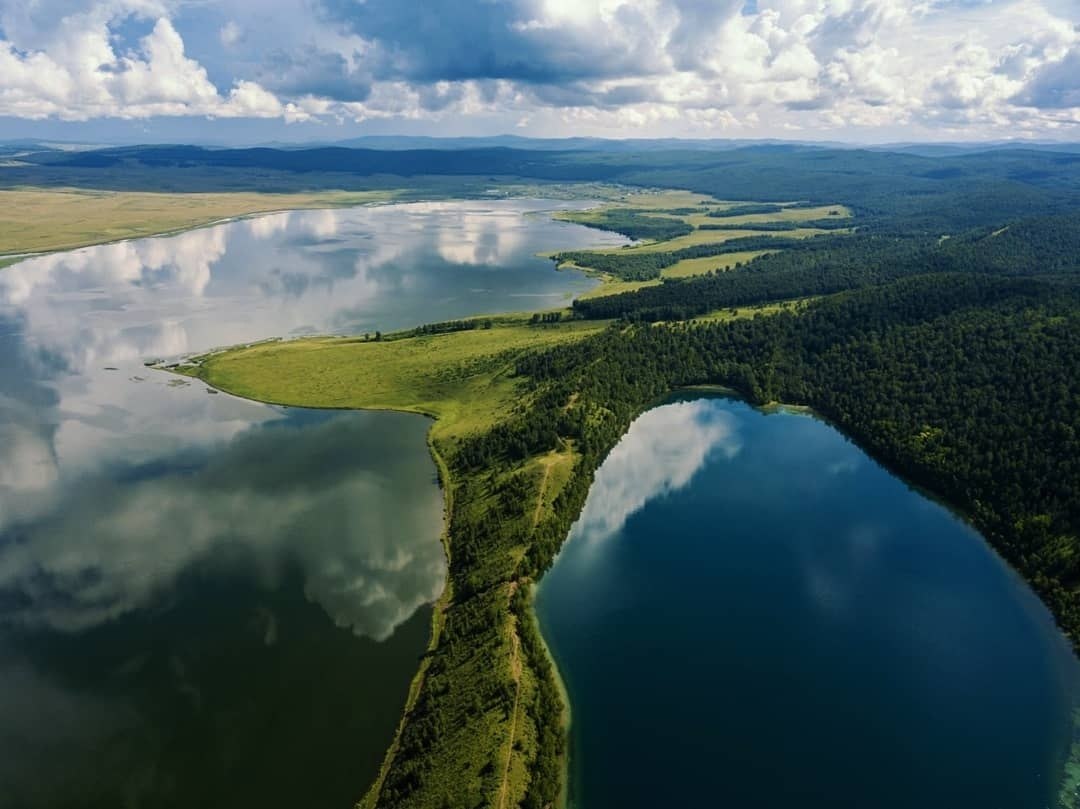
(900, 190)
(967, 384)
(644, 266)
(634, 224)
(822, 266)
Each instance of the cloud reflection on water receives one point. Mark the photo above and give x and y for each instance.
(154, 539)
(660, 453)
(77, 407)
(351, 503)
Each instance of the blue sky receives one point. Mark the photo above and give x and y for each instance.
(243, 71)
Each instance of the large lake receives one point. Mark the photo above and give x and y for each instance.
(206, 602)
(752, 613)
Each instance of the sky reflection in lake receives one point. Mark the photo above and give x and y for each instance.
(76, 327)
(180, 568)
(663, 452)
(750, 612)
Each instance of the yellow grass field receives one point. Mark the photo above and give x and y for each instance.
(697, 237)
(786, 215)
(689, 267)
(613, 286)
(39, 220)
(673, 204)
(668, 199)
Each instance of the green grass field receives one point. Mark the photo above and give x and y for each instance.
(38, 220)
(674, 204)
(687, 268)
(787, 215)
(461, 378)
(678, 205)
(711, 237)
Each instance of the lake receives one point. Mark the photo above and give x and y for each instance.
(206, 601)
(750, 612)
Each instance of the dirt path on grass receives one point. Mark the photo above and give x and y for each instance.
(515, 672)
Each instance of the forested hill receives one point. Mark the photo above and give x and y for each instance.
(956, 362)
(1049, 246)
(968, 384)
(938, 195)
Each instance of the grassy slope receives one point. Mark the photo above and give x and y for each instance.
(38, 220)
(455, 377)
(711, 237)
(687, 268)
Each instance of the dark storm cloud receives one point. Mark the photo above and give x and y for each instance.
(458, 40)
(581, 95)
(318, 73)
(1055, 85)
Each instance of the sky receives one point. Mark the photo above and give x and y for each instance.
(247, 71)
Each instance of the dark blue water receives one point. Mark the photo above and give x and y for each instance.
(232, 625)
(752, 613)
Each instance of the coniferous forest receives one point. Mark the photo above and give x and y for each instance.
(956, 363)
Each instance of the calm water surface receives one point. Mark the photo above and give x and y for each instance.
(205, 601)
(752, 613)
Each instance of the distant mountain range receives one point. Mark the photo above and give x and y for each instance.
(629, 145)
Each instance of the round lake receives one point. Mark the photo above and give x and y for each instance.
(752, 613)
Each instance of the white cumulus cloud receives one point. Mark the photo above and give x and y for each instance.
(602, 67)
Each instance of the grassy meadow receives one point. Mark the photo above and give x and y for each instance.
(689, 267)
(699, 216)
(460, 378)
(699, 236)
(34, 220)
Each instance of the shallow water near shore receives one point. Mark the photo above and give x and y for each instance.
(751, 612)
(206, 601)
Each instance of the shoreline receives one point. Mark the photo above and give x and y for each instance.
(564, 695)
(371, 795)
(17, 256)
(369, 800)
(393, 196)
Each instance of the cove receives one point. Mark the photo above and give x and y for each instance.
(751, 612)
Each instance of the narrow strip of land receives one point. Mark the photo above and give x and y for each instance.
(515, 672)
